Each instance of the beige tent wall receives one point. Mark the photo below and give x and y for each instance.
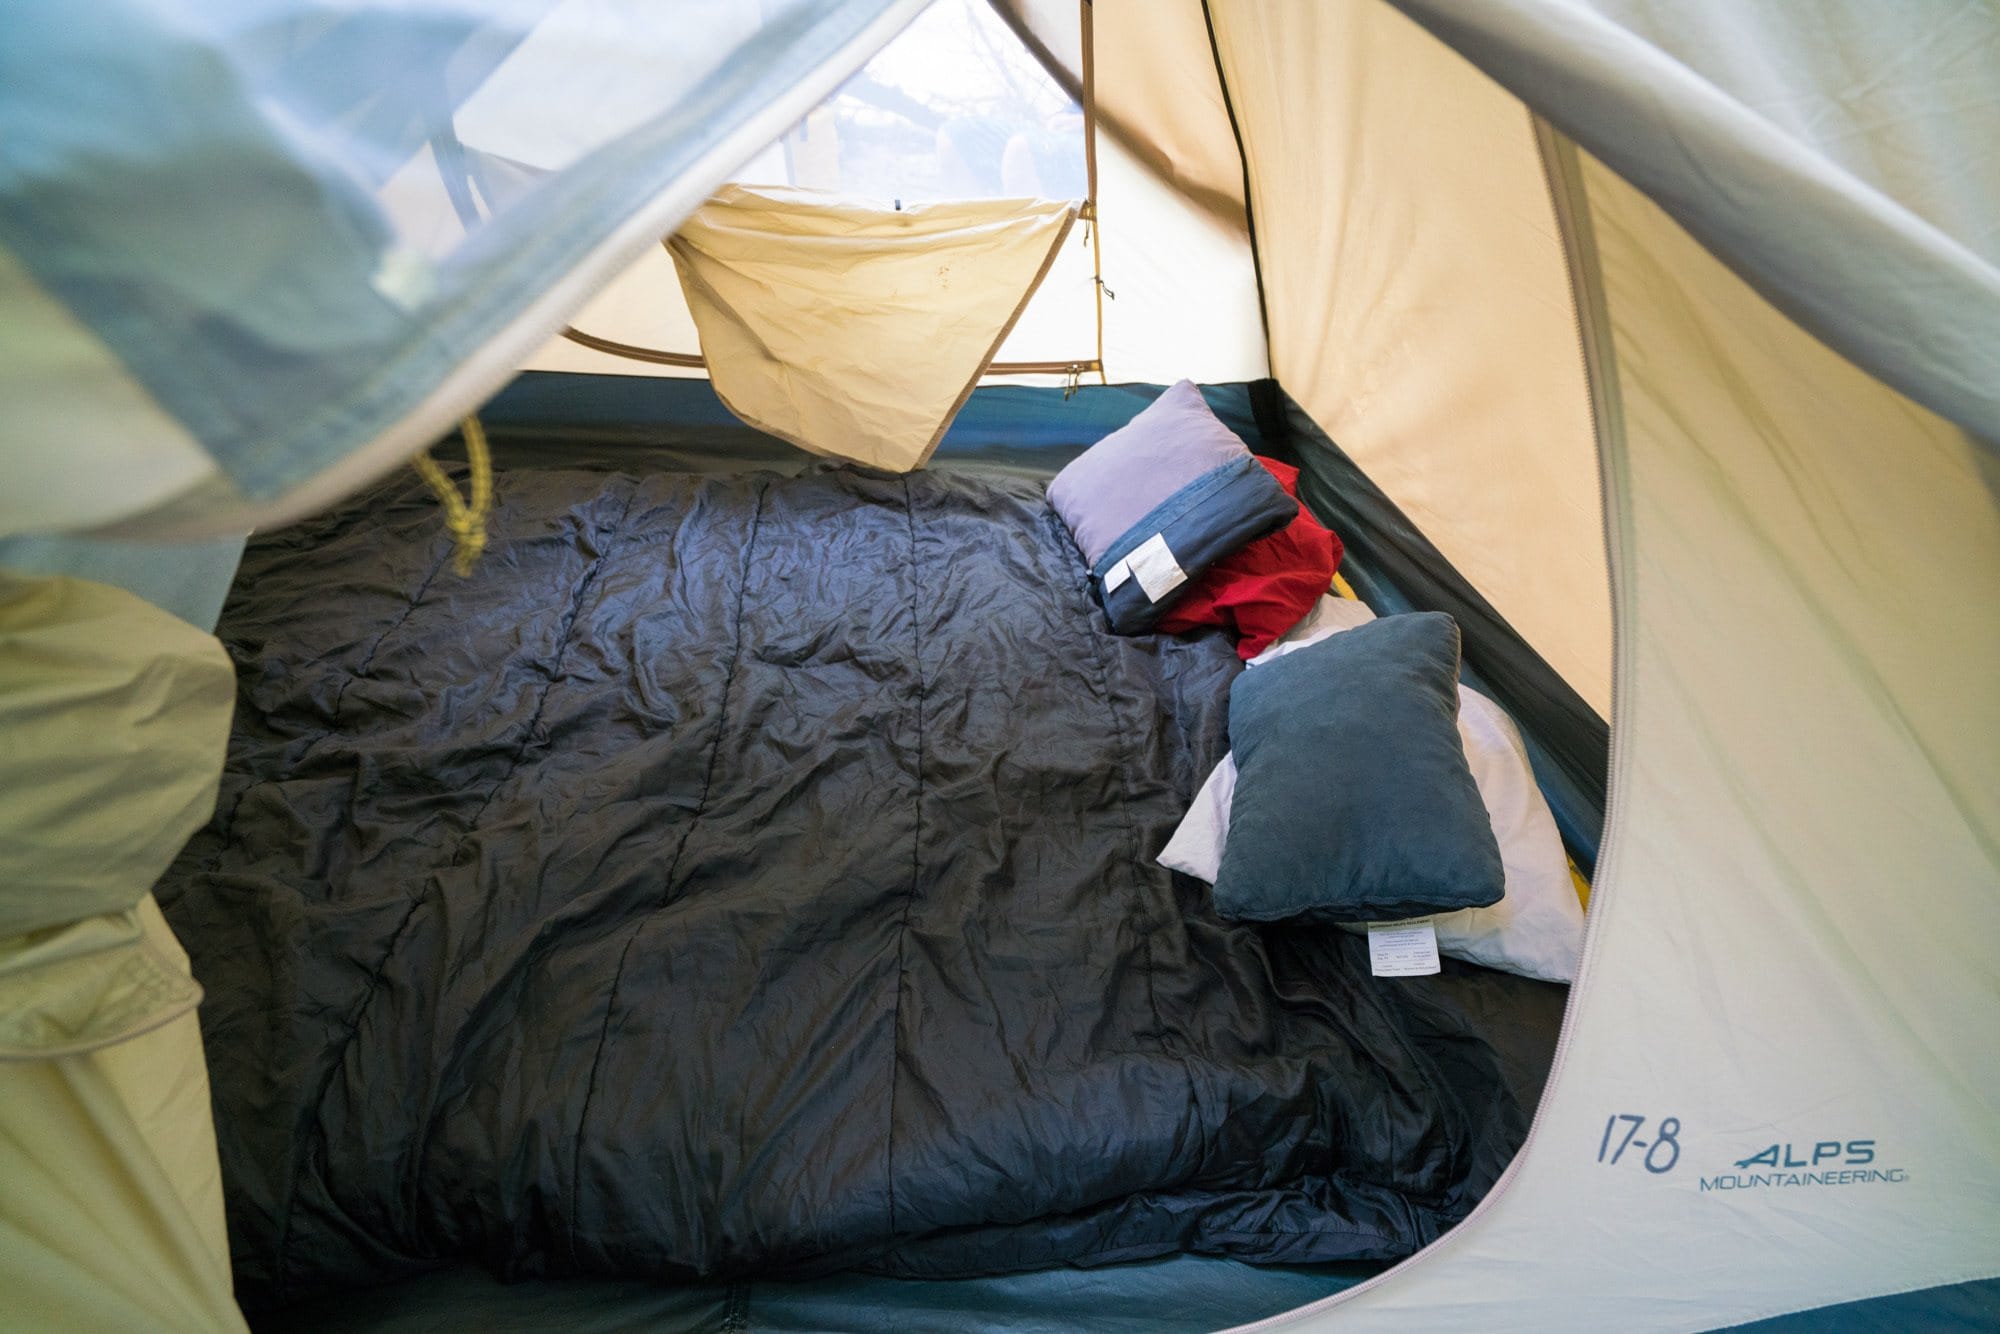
(1837, 155)
(1794, 918)
(116, 715)
(1419, 301)
(111, 1217)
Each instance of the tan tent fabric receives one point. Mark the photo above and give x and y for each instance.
(1184, 301)
(116, 715)
(90, 402)
(1794, 918)
(856, 331)
(75, 988)
(111, 1212)
(1419, 302)
(1158, 97)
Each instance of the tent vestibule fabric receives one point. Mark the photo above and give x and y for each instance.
(857, 331)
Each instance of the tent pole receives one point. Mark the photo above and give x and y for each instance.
(694, 361)
(1089, 101)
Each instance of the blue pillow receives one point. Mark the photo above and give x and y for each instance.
(1354, 801)
(1159, 500)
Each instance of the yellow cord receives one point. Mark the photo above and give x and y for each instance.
(467, 521)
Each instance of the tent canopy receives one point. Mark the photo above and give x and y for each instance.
(1669, 338)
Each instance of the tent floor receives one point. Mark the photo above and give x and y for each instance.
(1179, 1293)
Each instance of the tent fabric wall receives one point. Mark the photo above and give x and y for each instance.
(116, 715)
(1855, 187)
(189, 579)
(1183, 298)
(112, 1216)
(1158, 96)
(137, 704)
(1419, 302)
(1794, 915)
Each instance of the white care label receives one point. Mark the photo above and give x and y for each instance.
(1402, 949)
(1117, 575)
(1153, 562)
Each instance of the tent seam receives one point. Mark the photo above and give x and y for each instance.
(1249, 210)
(667, 880)
(360, 1012)
(1599, 352)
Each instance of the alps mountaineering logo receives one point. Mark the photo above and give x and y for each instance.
(1822, 1163)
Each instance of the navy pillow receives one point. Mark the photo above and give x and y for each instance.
(1354, 802)
(1159, 500)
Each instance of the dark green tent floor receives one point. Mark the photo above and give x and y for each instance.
(1183, 1293)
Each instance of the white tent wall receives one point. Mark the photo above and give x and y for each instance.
(1185, 302)
(1158, 94)
(1794, 915)
(1419, 302)
(1769, 131)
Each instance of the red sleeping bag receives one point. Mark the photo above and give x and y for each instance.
(1260, 590)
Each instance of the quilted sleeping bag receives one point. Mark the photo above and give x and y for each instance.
(746, 873)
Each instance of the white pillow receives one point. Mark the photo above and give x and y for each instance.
(1536, 929)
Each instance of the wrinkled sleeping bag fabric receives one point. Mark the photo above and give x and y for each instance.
(753, 874)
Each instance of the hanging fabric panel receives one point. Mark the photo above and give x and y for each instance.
(852, 330)
(1838, 156)
(294, 240)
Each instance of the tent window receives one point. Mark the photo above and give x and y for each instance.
(954, 108)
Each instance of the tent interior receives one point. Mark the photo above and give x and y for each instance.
(693, 851)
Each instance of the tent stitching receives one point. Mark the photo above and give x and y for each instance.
(1249, 213)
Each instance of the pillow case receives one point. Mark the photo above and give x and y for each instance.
(1354, 801)
(1161, 499)
(1262, 589)
(1536, 930)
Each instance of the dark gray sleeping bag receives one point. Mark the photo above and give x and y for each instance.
(754, 874)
